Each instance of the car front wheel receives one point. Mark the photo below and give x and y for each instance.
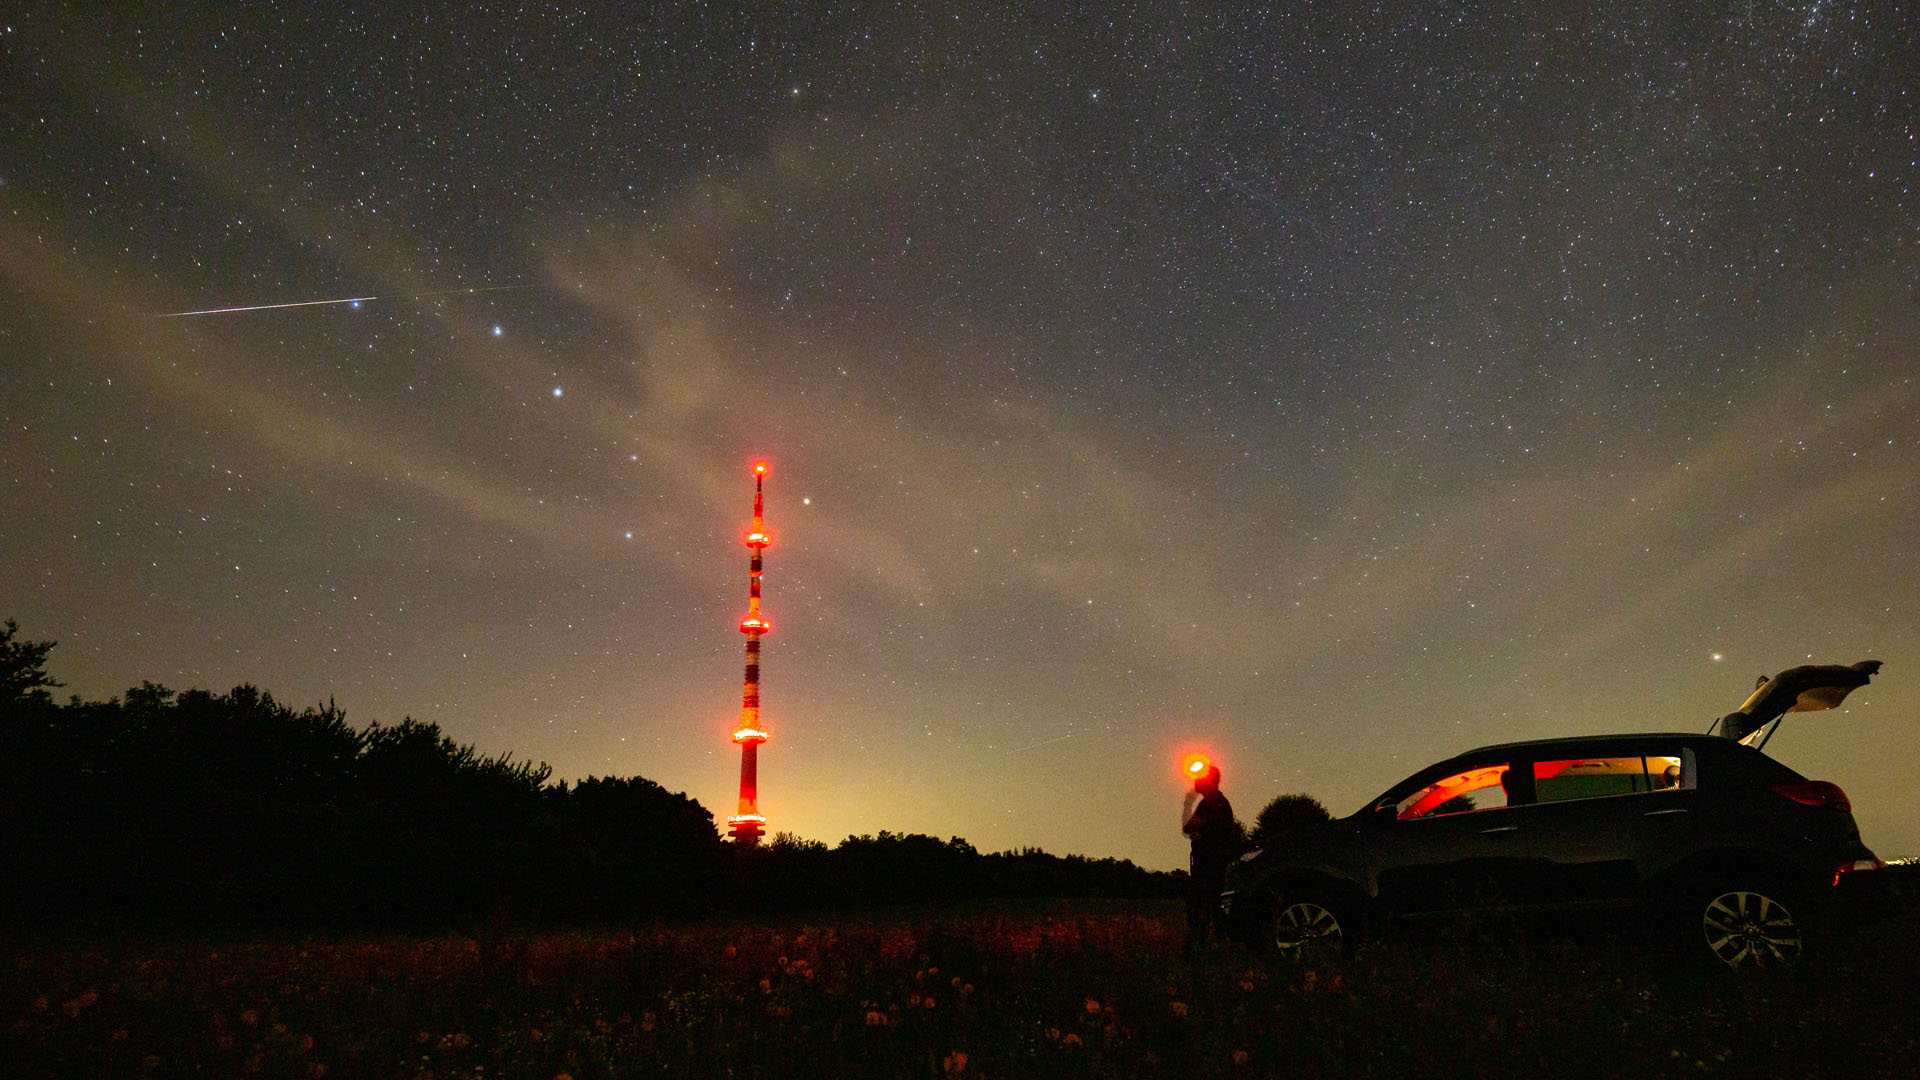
(1303, 927)
(1752, 928)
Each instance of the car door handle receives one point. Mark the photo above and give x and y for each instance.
(1499, 829)
(1658, 813)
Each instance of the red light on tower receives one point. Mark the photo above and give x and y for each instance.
(749, 824)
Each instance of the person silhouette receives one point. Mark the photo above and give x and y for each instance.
(1209, 824)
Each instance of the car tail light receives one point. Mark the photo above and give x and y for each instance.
(1856, 865)
(1814, 793)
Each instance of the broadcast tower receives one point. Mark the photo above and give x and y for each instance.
(749, 823)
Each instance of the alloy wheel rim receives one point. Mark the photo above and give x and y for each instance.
(1305, 925)
(1751, 929)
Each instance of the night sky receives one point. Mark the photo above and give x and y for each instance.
(1336, 390)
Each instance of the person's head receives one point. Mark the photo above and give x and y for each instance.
(1208, 781)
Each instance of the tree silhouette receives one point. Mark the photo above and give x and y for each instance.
(165, 810)
(1286, 813)
(23, 674)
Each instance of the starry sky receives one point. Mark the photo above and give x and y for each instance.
(1334, 389)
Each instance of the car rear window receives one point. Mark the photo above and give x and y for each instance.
(1600, 777)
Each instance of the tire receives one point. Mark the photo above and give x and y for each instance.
(1307, 927)
(1752, 926)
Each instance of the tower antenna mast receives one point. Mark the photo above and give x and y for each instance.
(749, 824)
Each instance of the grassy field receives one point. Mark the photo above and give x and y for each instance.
(1049, 990)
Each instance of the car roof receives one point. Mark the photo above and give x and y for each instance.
(1629, 738)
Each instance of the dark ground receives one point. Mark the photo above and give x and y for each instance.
(1049, 989)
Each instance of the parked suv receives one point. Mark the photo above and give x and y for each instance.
(1700, 831)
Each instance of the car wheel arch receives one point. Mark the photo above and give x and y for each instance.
(1726, 884)
(1712, 868)
(1348, 897)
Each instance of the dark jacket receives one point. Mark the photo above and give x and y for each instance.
(1216, 839)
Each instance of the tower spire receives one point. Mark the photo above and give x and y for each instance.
(748, 824)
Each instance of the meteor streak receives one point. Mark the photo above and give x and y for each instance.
(342, 300)
(263, 307)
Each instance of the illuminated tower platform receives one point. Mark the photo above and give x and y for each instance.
(749, 824)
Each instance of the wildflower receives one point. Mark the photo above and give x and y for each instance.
(1053, 1034)
(1246, 985)
(120, 1035)
(875, 1018)
(929, 1002)
(251, 1017)
(1071, 1039)
(913, 1001)
(41, 1003)
(1180, 1009)
(646, 1021)
(316, 1070)
(1240, 1057)
(729, 951)
(80, 1004)
(954, 1064)
(1093, 1007)
(766, 986)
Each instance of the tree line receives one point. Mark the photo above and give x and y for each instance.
(194, 809)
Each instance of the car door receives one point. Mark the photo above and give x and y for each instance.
(1452, 842)
(1604, 819)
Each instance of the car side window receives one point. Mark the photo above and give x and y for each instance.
(1479, 788)
(1601, 777)
(1669, 772)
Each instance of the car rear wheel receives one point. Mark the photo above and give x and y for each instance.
(1751, 928)
(1303, 927)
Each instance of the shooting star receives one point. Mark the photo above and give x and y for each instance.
(342, 300)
